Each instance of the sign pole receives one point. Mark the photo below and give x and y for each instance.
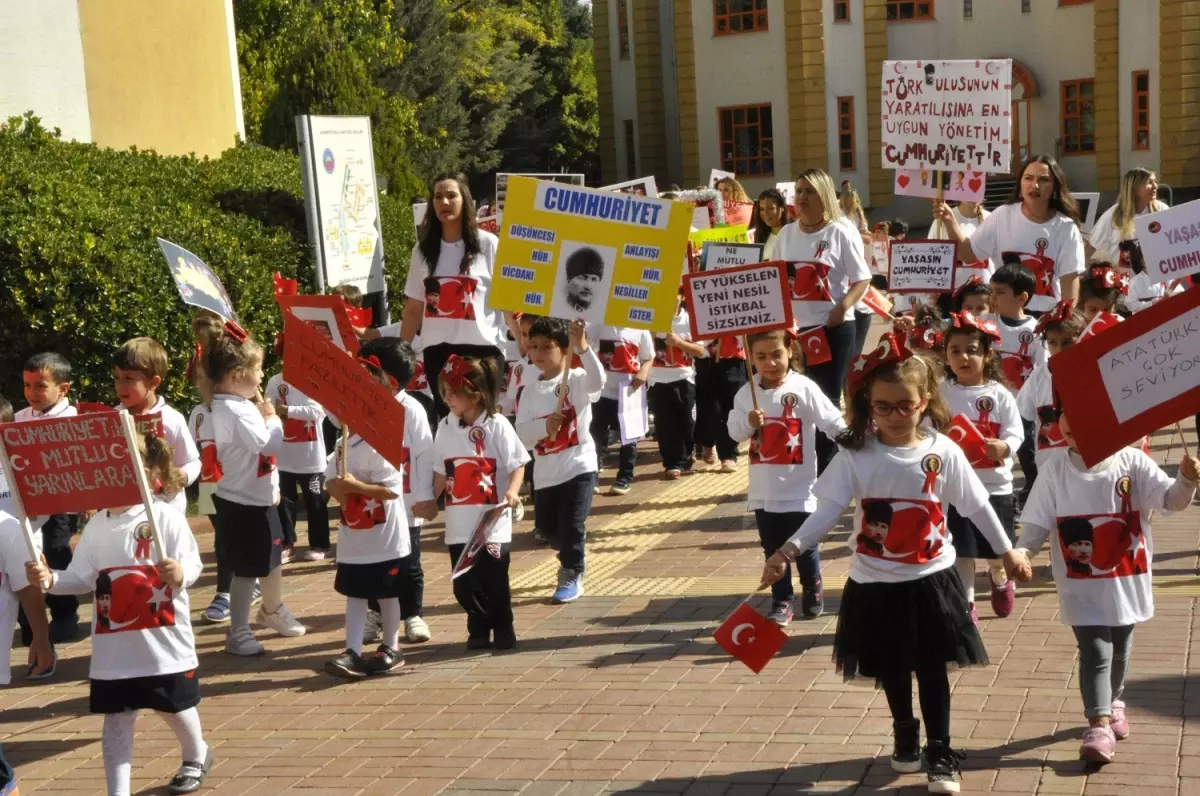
(345, 452)
(139, 473)
(308, 179)
(937, 221)
(26, 528)
(750, 371)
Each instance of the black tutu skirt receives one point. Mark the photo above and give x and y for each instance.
(381, 580)
(969, 542)
(897, 628)
(166, 693)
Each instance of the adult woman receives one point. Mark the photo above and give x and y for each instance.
(829, 275)
(852, 207)
(448, 283)
(732, 190)
(1037, 227)
(1138, 195)
(768, 217)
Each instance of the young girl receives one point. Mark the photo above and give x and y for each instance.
(903, 609)
(1141, 293)
(1099, 291)
(373, 543)
(783, 461)
(247, 434)
(973, 297)
(673, 393)
(484, 464)
(1059, 329)
(564, 459)
(1101, 558)
(975, 389)
(143, 651)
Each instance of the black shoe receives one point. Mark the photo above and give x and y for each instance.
(191, 776)
(64, 629)
(812, 603)
(906, 748)
(384, 661)
(349, 665)
(943, 771)
(506, 638)
(48, 673)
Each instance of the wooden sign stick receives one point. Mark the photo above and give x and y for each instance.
(139, 473)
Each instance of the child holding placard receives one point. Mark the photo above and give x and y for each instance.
(625, 353)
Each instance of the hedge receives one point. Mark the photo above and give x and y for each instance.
(80, 271)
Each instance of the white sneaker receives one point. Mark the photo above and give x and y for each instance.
(415, 630)
(519, 512)
(282, 622)
(374, 627)
(313, 554)
(242, 642)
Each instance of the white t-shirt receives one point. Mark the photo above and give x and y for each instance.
(370, 530)
(13, 555)
(621, 350)
(246, 447)
(821, 267)
(303, 449)
(769, 246)
(571, 452)
(63, 408)
(478, 460)
(783, 459)
(520, 374)
(899, 531)
(141, 627)
(1143, 292)
(671, 364)
(201, 425)
(1020, 349)
(1035, 396)
(184, 454)
(1050, 250)
(1106, 239)
(981, 268)
(458, 313)
(418, 456)
(993, 410)
(1101, 546)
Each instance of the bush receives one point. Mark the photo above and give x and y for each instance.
(80, 271)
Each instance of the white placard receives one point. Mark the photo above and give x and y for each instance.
(957, 186)
(643, 186)
(1153, 368)
(1170, 241)
(948, 115)
(1088, 204)
(633, 410)
(921, 266)
(715, 256)
(716, 175)
(700, 219)
(788, 189)
(743, 300)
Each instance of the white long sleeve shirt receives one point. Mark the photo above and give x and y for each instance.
(993, 410)
(571, 452)
(246, 447)
(303, 448)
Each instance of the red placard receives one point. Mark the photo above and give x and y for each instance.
(738, 213)
(318, 311)
(1135, 378)
(735, 301)
(145, 424)
(750, 637)
(314, 365)
(70, 464)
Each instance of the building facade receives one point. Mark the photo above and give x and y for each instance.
(767, 88)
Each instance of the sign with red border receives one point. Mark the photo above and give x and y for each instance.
(741, 300)
(922, 266)
(323, 313)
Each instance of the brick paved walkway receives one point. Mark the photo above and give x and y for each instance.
(626, 692)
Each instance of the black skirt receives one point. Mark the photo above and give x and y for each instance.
(382, 580)
(896, 628)
(969, 542)
(166, 693)
(254, 535)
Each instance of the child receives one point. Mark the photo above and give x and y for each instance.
(372, 546)
(1099, 292)
(1059, 329)
(481, 464)
(783, 461)
(301, 461)
(724, 374)
(975, 389)
(47, 381)
(1141, 293)
(247, 434)
(672, 393)
(143, 651)
(903, 610)
(624, 352)
(973, 297)
(564, 459)
(139, 368)
(1101, 560)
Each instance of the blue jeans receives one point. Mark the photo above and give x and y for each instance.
(562, 512)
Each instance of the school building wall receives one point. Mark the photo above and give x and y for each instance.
(41, 64)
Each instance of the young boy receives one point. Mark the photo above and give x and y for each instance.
(47, 380)
(673, 393)
(139, 368)
(624, 352)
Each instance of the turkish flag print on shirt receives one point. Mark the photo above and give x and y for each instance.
(361, 513)
(210, 465)
(668, 356)
(619, 356)
(748, 636)
(810, 281)
(567, 436)
(132, 598)
(1103, 545)
(779, 441)
(471, 481)
(908, 530)
(454, 297)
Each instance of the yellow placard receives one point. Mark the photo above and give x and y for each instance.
(580, 253)
(726, 233)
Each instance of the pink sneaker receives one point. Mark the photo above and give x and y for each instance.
(1004, 598)
(1099, 745)
(974, 616)
(1120, 724)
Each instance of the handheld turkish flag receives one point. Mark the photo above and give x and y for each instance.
(878, 303)
(1102, 321)
(816, 347)
(478, 541)
(967, 436)
(750, 637)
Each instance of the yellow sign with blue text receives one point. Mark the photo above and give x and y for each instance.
(581, 253)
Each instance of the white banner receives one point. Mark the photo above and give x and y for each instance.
(1170, 241)
(715, 256)
(921, 266)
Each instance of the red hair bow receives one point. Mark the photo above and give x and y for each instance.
(924, 337)
(975, 280)
(456, 373)
(194, 362)
(965, 320)
(1108, 278)
(891, 349)
(236, 332)
(372, 361)
(285, 286)
(1061, 313)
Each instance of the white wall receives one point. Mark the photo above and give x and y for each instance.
(41, 64)
(1138, 50)
(845, 76)
(624, 83)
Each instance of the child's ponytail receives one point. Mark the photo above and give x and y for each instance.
(230, 350)
(166, 480)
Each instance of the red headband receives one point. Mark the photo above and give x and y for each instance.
(456, 373)
(1107, 278)
(236, 332)
(1061, 313)
(372, 361)
(891, 349)
(975, 280)
(965, 320)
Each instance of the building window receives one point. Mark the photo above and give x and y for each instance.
(630, 151)
(968, 9)
(1078, 130)
(845, 117)
(909, 10)
(623, 28)
(739, 16)
(841, 10)
(1141, 110)
(1026, 6)
(747, 147)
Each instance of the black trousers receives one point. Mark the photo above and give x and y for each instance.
(56, 546)
(562, 512)
(933, 689)
(224, 557)
(435, 360)
(862, 327)
(775, 529)
(412, 590)
(484, 592)
(316, 507)
(831, 378)
(1027, 456)
(723, 379)
(605, 418)
(674, 429)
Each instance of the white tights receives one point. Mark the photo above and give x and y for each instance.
(966, 572)
(356, 622)
(116, 744)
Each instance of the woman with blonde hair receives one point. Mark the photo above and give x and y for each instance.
(732, 190)
(1138, 195)
(852, 207)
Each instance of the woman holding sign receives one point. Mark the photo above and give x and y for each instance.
(1038, 227)
(829, 275)
(448, 283)
(1139, 194)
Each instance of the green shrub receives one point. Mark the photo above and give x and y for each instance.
(80, 271)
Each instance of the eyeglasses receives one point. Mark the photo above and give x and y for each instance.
(903, 408)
